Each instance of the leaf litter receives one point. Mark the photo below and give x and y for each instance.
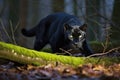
(11, 71)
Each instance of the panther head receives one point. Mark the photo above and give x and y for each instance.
(75, 34)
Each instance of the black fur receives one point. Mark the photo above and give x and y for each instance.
(60, 30)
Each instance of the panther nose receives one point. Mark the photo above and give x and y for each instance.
(76, 40)
(75, 43)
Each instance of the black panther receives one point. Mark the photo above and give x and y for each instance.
(60, 30)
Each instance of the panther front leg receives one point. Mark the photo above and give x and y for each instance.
(86, 50)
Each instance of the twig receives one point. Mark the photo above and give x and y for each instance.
(16, 27)
(106, 43)
(12, 33)
(66, 51)
(100, 54)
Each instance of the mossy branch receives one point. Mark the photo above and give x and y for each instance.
(28, 56)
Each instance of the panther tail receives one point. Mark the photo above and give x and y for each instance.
(29, 33)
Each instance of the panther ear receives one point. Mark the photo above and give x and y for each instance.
(83, 27)
(66, 27)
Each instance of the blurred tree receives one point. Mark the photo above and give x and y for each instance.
(102, 21)
(29, 12)
(58, 6)
(69, 6)
(97, 13)
(9, 20)
(45, 7)
(35, 11)
(81, 10)
(4, 16)
(23, 20)
(106, 9)
(14, 11)
(14, 20)
(92, 9)
(115, 30)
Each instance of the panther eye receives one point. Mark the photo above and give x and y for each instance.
(71, 37)
(80, 36)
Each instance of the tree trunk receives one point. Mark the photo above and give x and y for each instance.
(23, 20)
(106, 8)
(92, 8)
(58, 6)
(37, 9)
(69, 6)
(115, 30)
(14, 20)
(81, 10)
(4, 15)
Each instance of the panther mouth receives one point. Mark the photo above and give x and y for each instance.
(79, 44)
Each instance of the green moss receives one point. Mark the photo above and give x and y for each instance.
(27, 56)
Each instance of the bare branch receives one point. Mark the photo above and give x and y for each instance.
(100, 54)
(66, 51)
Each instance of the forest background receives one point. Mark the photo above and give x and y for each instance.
(102, 17)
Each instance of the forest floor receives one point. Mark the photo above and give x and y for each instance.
(60, 72)
(57, 71)
(14, 71)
